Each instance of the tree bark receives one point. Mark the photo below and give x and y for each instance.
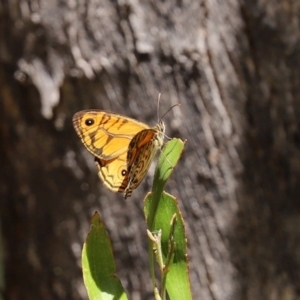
(234, 68)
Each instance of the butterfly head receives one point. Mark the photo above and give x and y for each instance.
(161, 126)
(160, 129)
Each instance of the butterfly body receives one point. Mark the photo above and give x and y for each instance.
(123, 147)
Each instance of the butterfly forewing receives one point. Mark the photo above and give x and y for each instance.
(106, 135)
(141, 152)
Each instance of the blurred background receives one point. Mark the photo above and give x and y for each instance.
(233, 67)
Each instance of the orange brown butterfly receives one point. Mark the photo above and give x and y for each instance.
(123, 147)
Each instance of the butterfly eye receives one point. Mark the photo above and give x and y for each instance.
(89, 122)
(123, 172)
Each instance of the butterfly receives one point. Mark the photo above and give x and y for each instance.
(123, 147)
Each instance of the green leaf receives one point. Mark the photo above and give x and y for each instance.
(178, 282)
(165, 166)
(98, 265)
(160, 208)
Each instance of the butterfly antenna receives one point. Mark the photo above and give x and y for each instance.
(177, 104)
(158, 101)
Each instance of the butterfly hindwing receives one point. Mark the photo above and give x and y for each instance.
(113, 173)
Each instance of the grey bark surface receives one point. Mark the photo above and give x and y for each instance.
(234, 68)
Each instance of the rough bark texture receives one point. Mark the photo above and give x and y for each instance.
(233, 66)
